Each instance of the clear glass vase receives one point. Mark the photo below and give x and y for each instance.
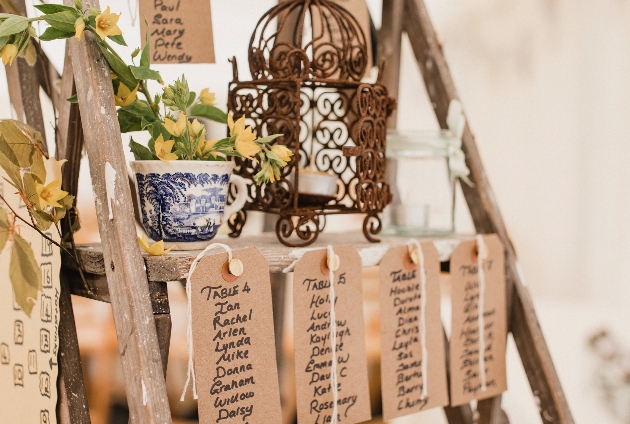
(423, 191)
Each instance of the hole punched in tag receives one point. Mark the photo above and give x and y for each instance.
(232, 270)
(335, 265)
(411, 260)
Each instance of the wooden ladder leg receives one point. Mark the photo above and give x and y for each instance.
(535, 356)
(490, 411)
(162, 317)
(126, 277)
(72, 407)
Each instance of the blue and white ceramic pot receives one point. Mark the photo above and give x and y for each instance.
(183, 202)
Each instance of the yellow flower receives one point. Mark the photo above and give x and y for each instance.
(209, 145)
(79, 26)
(176, 128)
(245, 145)
(9, 53)
(238, 127)
(51, 194)
(125, 97)
(163, 149)
(106, 24)
(156, 249)
(282, 152)
(195, 127)
(206, 97)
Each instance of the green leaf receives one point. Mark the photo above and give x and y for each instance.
(4, 228)
(268, 138)
(135, 53)
(8, 162)
(119, 67)
(145, 59)
(43, 220)
(3, 41)
(30, 190)
(53, 8)
(191, 98)
(53, 33)
(13, 25)
(63, 21)
(209, 112)
(73, 99)
(139, 151)
(25, 274)
(144, 73)
(15, 134)
(118, 39)
(128, 122)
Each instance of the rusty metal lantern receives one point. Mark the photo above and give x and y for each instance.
(307, 58)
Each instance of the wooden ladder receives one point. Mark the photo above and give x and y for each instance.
(140, 307)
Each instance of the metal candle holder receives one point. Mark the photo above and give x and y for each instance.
(306, 84)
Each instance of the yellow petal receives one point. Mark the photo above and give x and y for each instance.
(206, 97)
(51, 194)
(163, 149)
(125, 97)
(246, 135)
(282, 152)
(230, 121)
(106, 24)
(247, 148)
(197, 127)
(156, 249)
(79, 26)
(9, 53)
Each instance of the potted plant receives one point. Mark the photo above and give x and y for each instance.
(182, 178)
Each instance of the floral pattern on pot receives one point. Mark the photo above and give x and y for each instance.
(182, 207)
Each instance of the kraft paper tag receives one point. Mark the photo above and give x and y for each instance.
(313, 352)
(402, 377)
(467, 377)
(234, 344)
(180, 30)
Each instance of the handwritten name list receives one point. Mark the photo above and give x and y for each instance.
(313, 347)
(471, 379)
(180, 30)
(402, 376)
(233, 338)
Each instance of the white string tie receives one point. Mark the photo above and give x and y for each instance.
(189, 335)
(423, 322)
(481, 254)
(333, 333)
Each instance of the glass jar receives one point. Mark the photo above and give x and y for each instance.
(420, 180)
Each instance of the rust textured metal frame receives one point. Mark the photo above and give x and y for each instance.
(311, 92)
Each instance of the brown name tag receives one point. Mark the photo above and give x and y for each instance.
(473, 376)
(312, 332)
(234, 344)
(402, 329)
(180, 30)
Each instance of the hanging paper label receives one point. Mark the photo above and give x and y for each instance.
(473, 376)
(180, 30)
(233, 339)
(312, 334)
(408, 330)
(29, 340)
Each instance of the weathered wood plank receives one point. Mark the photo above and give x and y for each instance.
(127, 280)
(175, 265)
(389, 49)
(487, 217)
(72, 407)
(163, 326)
(23, 81)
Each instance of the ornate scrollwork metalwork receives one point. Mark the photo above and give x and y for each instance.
(372, 225)
(306, 86)
(305, 227)
(236, 223)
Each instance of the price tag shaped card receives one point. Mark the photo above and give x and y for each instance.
(180, 31)
(330, 338)
(479, 320)
(233, 339)
(413, 363)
